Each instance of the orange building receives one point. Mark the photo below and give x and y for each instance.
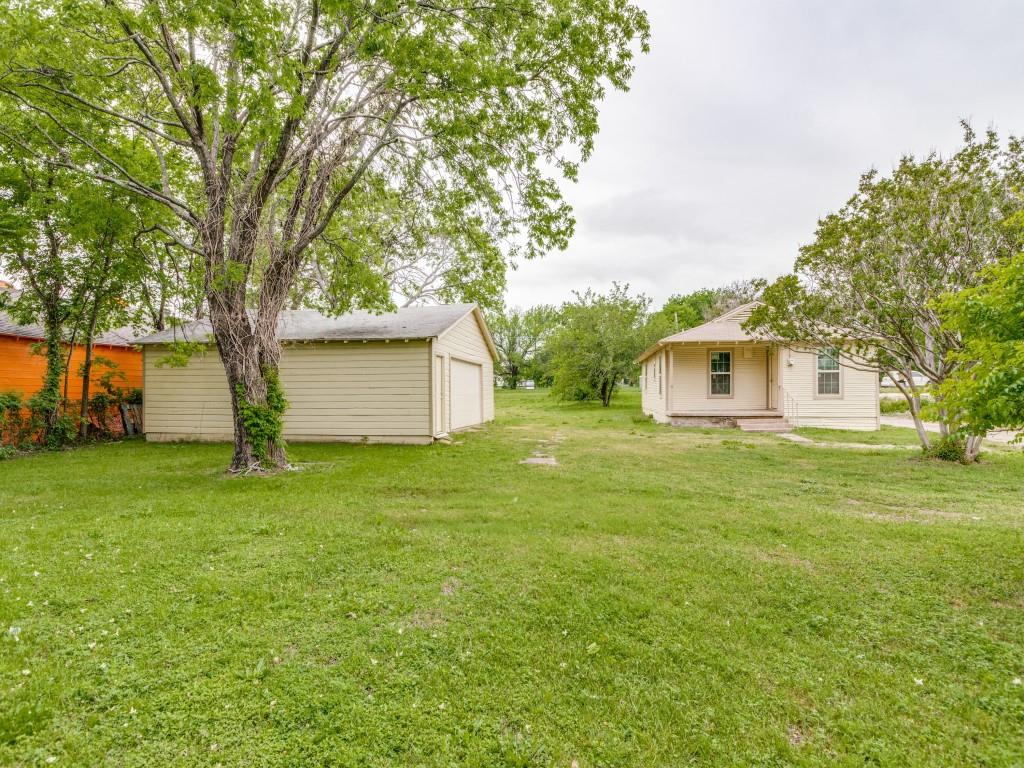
(23, 360)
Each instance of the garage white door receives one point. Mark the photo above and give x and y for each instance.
(466, 408)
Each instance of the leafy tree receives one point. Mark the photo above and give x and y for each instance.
(686, 310)
(986, 389)
(869, 282)
(519, 336)
(266, 117)
(597, 342)
(79, 248)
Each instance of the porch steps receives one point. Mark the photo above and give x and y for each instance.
(764, 425)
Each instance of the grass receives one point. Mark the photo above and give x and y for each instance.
(662, 597)
(885, 435)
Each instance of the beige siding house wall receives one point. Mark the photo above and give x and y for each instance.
(856, 407)
(370, 390)
(653, 386)
(690, 380)
(765, 381)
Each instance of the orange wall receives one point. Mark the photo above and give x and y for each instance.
(21, 371)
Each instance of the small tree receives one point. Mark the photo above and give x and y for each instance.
(597, 342)
(986, 389)
(869, 282)
(519, 335)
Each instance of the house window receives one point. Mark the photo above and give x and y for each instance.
(828, 372)
(721, 374)
(659, 375)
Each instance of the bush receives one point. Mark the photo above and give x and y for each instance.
(7, 451)
(949, 448)
(892, 405)
(13, 426)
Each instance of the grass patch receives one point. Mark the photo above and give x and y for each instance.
(885, 435)
(662, 597)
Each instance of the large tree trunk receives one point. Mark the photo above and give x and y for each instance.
(87, 369)
(251, 364)
(48, 397)
(973, 447)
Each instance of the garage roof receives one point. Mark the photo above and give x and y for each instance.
(426, 322)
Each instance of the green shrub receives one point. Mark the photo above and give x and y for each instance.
(949, 448)
(892, 405)
(7, 451)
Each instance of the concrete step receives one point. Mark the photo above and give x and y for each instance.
(764, 425)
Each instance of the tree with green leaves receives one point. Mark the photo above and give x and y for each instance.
(264, 118)
(869, 283)
(596, 343)
(986, 389)
(686, 310)
(519, 336)
(79, 250)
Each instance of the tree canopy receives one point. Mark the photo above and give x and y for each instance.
(986, 390)
(520, 336)
(269, 128)
(596, 343)
(870, 281)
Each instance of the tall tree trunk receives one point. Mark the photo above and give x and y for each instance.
(48, 396)
(251, 364)
(83, 413)
(973, 447)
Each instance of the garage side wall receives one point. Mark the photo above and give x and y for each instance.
(349, 392)
(465, 341)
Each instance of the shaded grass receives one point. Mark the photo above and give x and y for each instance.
(662, 597)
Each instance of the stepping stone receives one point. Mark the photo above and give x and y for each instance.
(548, 461)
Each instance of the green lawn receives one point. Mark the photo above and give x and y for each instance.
(663, 597)
(885, 435)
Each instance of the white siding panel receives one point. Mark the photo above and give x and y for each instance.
(857, 408)
(336, 391)
(690, 380)
(654, 385)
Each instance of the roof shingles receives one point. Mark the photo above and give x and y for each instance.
(306, 325)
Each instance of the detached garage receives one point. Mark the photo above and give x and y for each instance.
(404, 377)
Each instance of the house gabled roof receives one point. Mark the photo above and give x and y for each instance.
(725, 329)
(118, 337)
(407, 323)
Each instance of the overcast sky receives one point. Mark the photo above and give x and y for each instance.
(751, 119)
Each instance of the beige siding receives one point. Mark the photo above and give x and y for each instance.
(691, 380)
(336, 391)
(857, 408)
(465, 341)
(654, 386)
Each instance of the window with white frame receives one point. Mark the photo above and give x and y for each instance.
(828, 372)
(721, 374)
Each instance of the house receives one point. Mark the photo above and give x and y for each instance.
(22, 369)
(403, 377)
(719, 374)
